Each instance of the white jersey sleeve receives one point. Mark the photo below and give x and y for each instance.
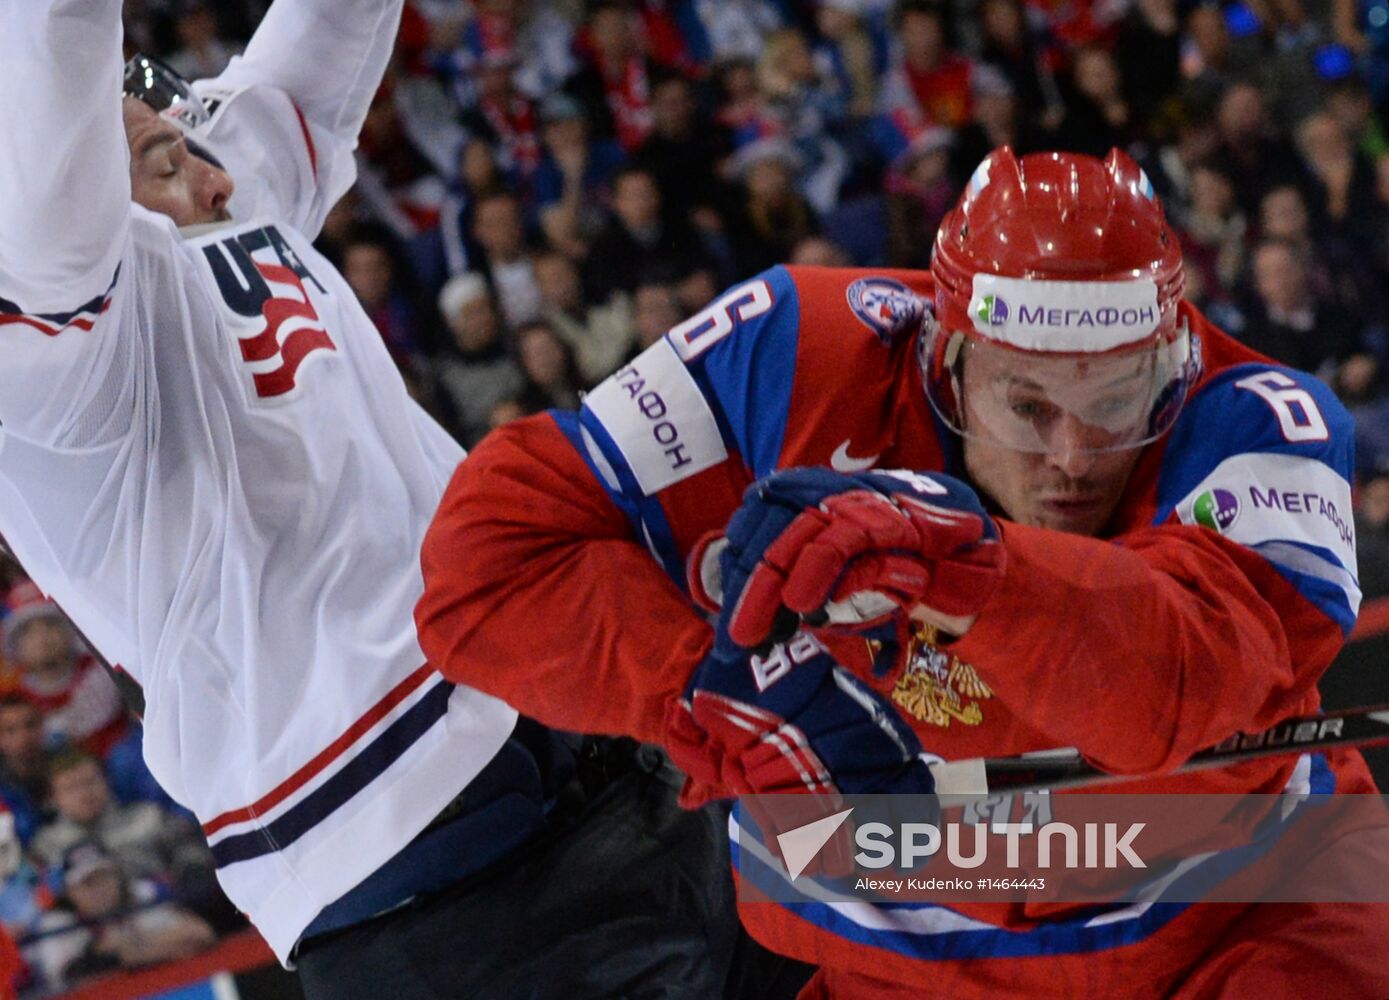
(64, 220)
(290, 109)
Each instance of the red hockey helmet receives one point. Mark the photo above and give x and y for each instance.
(1057, 282)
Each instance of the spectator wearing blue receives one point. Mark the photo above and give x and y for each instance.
(478, 174)
(105, 920)
(23, 765)
(574, 180)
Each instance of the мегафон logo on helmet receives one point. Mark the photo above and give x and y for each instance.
(993, 310)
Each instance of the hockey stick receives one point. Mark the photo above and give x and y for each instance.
(1057, 769)
(130, 690)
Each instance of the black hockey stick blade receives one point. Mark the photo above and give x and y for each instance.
(1058, 769)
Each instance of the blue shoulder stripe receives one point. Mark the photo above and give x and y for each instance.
(1265, 455)
(742, 353)
(605, 460)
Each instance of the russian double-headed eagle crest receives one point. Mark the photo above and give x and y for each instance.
(936, 687)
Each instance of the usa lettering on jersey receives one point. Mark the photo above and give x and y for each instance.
(261, 278)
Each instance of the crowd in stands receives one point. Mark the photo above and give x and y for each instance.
(547, 187)
(99, 868)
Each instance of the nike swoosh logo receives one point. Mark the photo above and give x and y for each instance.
(842, 461)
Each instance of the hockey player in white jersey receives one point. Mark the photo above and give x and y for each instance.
(208, 459)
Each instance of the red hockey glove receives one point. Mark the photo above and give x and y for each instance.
(811, 541)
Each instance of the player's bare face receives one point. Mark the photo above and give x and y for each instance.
(166, 177)
(1072, 485)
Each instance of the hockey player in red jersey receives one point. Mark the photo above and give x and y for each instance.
(1071, 445)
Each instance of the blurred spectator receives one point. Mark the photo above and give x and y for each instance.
(997, 122)
(774, 217)
(202, 52)
(817, 251)
(800, 103)
(1007, 44)
(736, 29)
(369, 264)
(683, 152)
(1290, 324)
(21, 892)
(739, 100)
(149, 841)
(930, 80)
(1212, 229)
(1190, 136)
(1250, 154)
(846, 52)
(1348, 101)
(476, 372)
(599, 334)
(104, 921)
(1208, 61)
(920, 190)
(547, 362)
(1338, 268)
(638, 234)
(614, 81)
(478, 175)
(130, 778)
(396, 180)
(655, 309)
(1343, 180)
(78, 701)
(537, 34)
(499, 231)
(1372, 534)
(696, 287)
(574, 180)
(505, 117)
(23, 765)
(1149, 51)
(1098, 116)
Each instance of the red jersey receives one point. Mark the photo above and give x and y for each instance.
(555, 577)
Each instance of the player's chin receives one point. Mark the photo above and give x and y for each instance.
(1072, 517)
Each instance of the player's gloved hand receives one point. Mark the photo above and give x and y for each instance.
(792, 721)
(859, 548)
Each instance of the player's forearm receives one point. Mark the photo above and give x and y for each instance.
(328, 55)
(535, 593)
(64, 181)
(1141, 654)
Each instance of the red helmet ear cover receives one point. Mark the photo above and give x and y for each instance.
(1062, 216)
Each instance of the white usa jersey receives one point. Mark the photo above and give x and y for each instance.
(209, 460)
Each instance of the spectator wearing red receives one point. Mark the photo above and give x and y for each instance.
(504, 116)
(614, 83)
(930, 77)
(78, 701)
(370, 266)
